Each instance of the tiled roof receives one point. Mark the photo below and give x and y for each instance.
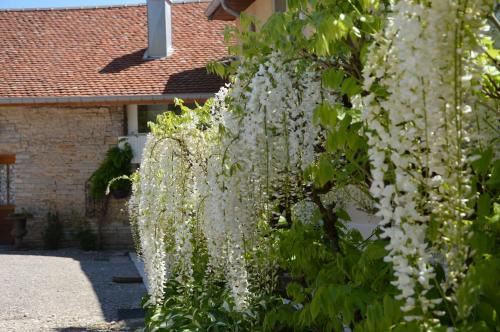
(99, 52)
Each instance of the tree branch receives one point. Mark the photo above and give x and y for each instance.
(330, 218)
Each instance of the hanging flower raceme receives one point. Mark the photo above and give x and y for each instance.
(420, 140)
(226, 174)
(267, 141)
(165, 199)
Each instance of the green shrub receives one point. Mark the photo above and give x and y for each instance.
(87, 239)
(202, 303)
(54, 232)
(116, 163)
(328, 291)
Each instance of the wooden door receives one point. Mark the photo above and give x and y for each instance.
(7, 206)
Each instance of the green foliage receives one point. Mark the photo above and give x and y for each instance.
(201, 304)
(329, 290)
(169, 122)
(479, 294)
(54, 231)
(115, 164)
(202, 307)
(87, 239)
(339, 32)
(345, 160)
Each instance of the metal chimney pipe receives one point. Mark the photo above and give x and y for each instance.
(159, 29)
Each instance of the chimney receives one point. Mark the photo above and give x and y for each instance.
(159, 29)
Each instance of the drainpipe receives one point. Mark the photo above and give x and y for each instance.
(132, 125)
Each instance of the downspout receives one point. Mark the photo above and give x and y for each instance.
(228, 9)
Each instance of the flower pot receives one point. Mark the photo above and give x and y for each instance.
(120, 193)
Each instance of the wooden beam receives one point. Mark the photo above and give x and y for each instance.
(7, 159)
(9, 208)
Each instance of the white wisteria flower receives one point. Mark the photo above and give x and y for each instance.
(419, 139)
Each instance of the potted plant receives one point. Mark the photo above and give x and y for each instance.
(116, 164)
(120, 188)
(19, 228)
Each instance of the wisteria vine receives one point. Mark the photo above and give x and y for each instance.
(217, 178)
(226, 174)
(421, 140)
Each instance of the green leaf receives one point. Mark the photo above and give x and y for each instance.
(351, 87)
(295, 291)
(322, 45)
(392, 309)
(494, 180)
(367, 4)
(326, 115)
(379, 90)
(316, 303)
(217, 68)
(487, 313)
(332, 78)
(375, 250)
(331, 142)
(342, 214)
(433, 229)
(483, 205)
(408, 327)
(481, 165)
(325, 171)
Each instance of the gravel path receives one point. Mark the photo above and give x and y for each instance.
(65, 290)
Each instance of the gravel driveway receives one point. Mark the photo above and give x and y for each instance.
(66, 290)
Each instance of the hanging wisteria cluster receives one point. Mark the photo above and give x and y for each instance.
(226, 174)
(284, 144)
(165, 198)
(421, 140)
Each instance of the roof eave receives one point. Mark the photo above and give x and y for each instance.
(104, 100)
(212, 8)
(225, 11)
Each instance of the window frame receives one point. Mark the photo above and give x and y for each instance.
(9, 161)
(281, 11)
(170, 107)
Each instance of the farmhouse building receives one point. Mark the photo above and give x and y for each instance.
(73, 82)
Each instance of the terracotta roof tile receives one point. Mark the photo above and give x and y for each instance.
(99, 52)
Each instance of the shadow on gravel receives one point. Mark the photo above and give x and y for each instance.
(111, 327)
(96, 329)
(117, 300)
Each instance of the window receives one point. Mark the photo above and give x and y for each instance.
(253, 27)
(279, 6)
(148, 113)
(7, 172)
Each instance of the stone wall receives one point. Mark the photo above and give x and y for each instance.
(57, 149)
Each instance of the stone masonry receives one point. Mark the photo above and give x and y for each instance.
(57, 149)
